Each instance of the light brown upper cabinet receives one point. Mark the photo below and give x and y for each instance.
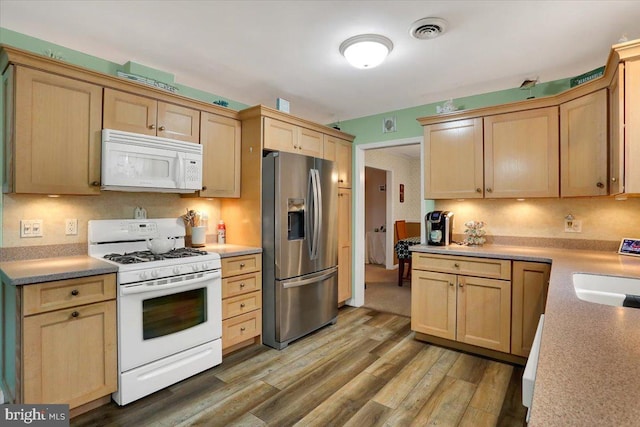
(220, 139)
(521, 154)
(616, 132)
(632, 126)
(453, 160)
(339, 151)
(624, 129)
(282, 136)
(138, 114)
(52, 133)
(583, 146)
(344, 158)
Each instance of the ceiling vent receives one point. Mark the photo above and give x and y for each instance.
(428, 28)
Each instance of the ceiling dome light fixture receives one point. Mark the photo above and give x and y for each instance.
(366, 50)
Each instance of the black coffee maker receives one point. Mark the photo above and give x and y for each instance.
(439, 228)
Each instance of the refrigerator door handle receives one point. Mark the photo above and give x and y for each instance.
(317, 217)
(315, 279)
(310, 213)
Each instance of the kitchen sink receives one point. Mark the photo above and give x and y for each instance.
(601, 289)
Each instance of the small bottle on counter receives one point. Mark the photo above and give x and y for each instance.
(222, 232)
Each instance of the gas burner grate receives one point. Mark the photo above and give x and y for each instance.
(146, 256)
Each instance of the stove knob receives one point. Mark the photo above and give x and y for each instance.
(154, 273)
(176, 270)
(205, 266)
(194, 267)
(143, 275)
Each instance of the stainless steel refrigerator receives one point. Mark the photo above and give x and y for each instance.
(299, 238)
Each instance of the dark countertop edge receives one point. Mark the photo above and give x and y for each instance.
(43, 278)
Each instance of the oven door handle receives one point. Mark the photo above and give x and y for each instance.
(151, 286)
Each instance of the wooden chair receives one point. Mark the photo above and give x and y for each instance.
(401, 233)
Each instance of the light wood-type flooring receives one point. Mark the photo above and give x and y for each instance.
(367, 370)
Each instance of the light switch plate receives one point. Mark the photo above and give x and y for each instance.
(30, 228)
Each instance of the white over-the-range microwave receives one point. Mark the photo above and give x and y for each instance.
(135, 162)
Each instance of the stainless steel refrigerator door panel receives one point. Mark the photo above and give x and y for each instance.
(292, 185)
(327, 243)
(305, 304)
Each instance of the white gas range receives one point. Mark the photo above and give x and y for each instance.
(169, 305)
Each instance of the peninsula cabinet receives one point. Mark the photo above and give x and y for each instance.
(453, 156)
(52, 133)
(521, 154)
(65, 341)
(283, 136)
(220, 139)
(529, 287)
(583, 146)
(133, 113)
(344, 245)
(463, 299)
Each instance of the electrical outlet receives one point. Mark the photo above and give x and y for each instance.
(30, 228)
(71, 227)
(572, 226)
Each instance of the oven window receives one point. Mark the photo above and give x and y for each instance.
(173, 313)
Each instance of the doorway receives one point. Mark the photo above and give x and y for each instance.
(359, 211)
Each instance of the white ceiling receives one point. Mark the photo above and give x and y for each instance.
(255, 51)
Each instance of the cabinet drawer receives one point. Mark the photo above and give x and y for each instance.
(241, 328)
(241, 304)
(469, 266)
(51, 296)
(241, 265)
(239, 285)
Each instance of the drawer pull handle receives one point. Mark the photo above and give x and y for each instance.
(489, 190)
(462, 285)
(161, 128)
(478, 190)
(152, 126)
(242, 285)
(242, 305)
(95, 183)
(613, 179)
(600, 185)
(450, 283)
(242, 329)
(456, 265)
(242, 265)
(75, 314)
(75, 292)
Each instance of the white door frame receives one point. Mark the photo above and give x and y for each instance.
(357, 299)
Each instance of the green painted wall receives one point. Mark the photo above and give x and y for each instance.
(369, 129)
(43, 47)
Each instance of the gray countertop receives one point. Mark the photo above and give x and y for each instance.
(227, 250)
(32, 271)
(590, 353)
(27, 272)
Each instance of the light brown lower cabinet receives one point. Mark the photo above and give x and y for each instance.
(529, 294)
(241, 301)
(472, 310)
(66, 344)
(489, 303)
(344, 245)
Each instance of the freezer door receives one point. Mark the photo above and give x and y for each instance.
(305, 304)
